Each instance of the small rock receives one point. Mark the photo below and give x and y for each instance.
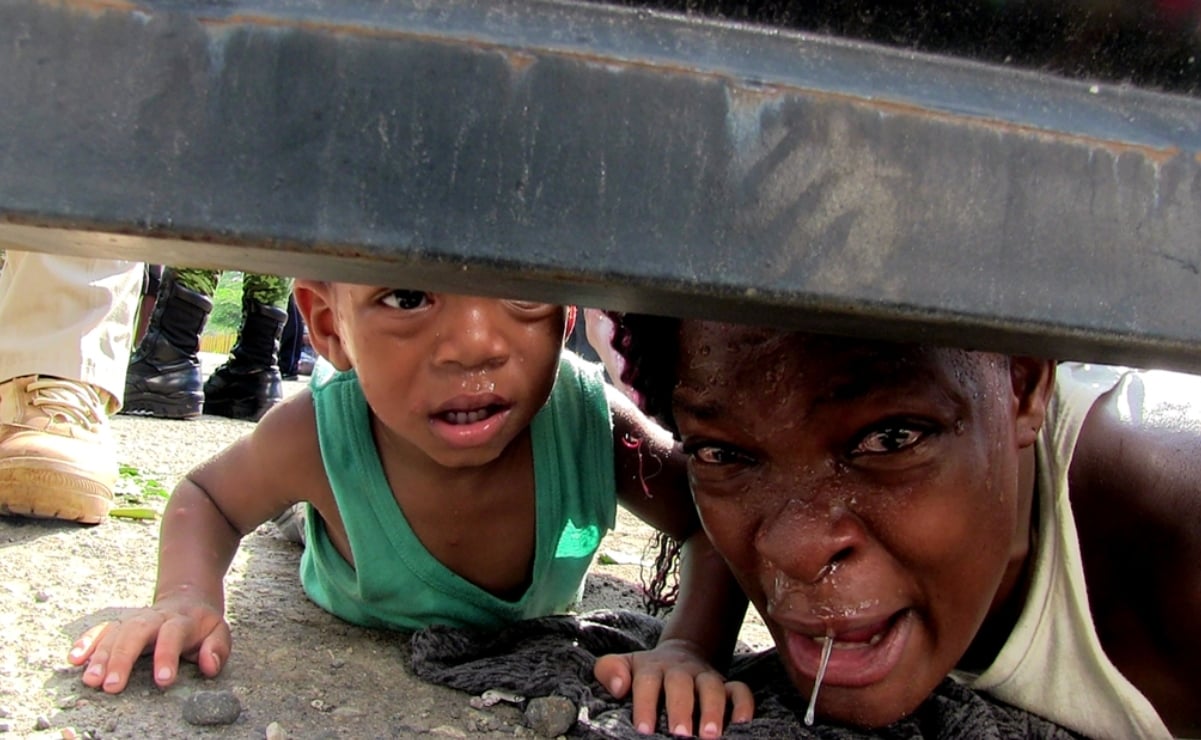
(275, 732)
(68, 733)
(550, 716)
(68, 702)
(41, 723)
(482, 722)
(448, 731)
(346, 711)
(5, 713)
(211, 708)
(41, 596)
(5, 727)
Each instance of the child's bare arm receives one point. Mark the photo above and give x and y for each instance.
(208, 514)
(703, 627)
(1136, 495)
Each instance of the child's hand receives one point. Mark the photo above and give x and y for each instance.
(675, 669)
(175, 628)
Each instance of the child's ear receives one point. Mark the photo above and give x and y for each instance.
(1033, 381)
(315, 300)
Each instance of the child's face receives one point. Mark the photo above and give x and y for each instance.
(455, 378)
(865, 490)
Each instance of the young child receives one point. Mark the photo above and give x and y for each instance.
(461, 469)
(941, 512)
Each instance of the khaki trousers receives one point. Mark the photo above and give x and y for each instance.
(70, 317)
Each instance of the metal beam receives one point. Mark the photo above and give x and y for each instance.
(612, 157)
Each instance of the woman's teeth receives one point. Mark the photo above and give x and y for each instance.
(856, 645)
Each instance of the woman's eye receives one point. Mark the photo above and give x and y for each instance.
(717, 455)
(888, 439)
(406, 300)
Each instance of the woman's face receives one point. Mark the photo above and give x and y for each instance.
(863, 491)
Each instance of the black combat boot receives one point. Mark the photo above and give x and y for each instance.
(249, 383)
(164, 377)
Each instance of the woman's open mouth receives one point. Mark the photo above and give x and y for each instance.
(862, 655)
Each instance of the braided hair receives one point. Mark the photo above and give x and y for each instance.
(648, 345)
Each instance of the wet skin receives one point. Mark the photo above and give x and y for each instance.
(877, 493)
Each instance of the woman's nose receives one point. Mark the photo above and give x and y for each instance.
(807, 539)
(471, 335)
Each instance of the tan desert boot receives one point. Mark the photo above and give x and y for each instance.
(57, 457)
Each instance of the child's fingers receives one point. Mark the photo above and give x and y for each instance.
(711, 689)
(116, 652)
(82, 649)
(742, 699)
(647, 685)
(99, 641)
(215, 649)
(613, 672)
(680, 689)
(173, 639)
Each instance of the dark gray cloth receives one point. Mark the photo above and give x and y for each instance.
(554, 655)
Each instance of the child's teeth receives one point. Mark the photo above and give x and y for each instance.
(466, 417)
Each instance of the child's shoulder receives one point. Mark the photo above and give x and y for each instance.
(279, 457)
(289, 425)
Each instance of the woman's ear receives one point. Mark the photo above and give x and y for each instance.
(569, 323)
(316, 301)
(1033, 381)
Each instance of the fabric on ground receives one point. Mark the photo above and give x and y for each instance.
(554, 655)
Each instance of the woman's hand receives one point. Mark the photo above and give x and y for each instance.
(675, 669)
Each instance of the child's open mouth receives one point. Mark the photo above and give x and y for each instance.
(470, 422)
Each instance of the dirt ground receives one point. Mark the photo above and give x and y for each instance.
(297, 671)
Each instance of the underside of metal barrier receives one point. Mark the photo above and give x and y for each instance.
(619, 157)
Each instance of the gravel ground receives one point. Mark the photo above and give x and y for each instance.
(295, 670)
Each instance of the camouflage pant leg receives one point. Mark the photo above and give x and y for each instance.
(196, 279)
(271, 290)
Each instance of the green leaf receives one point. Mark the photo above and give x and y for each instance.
(134, 512)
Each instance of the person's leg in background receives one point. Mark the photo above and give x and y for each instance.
(249, 383)
(164, 377)
(65, 334)
(291, 342)
(151, 282)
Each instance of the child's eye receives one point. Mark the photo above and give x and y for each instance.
(887, 439)
(533, 307)
(406, 300)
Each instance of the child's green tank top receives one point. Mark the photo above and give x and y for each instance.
(397, 584)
